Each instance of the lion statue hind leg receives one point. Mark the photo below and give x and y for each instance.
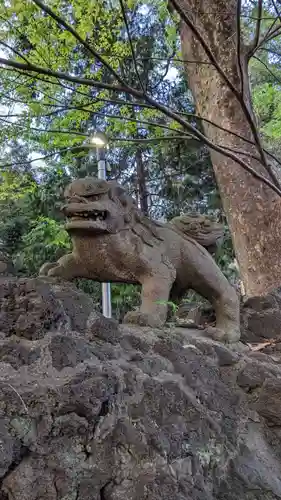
(209, 281)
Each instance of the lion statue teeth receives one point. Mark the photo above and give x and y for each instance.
(114, 242)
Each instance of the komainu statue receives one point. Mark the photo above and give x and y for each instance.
(114, 242)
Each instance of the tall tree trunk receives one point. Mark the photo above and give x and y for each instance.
(252, 209)
(142, 193)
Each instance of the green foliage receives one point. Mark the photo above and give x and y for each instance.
(54, 112)
(169, 303)
(56, 117)
(92, 288)
(17, 193)
(124, 298)
(267, 102)
(46, 241)
(265, 77)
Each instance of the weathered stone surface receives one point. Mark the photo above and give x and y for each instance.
(103, 412)
(30, 308)
(261, 318)
(68, 351)
(269, 401)
(103, 328)
(17, 353)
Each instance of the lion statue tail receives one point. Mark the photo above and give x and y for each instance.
(200, 228)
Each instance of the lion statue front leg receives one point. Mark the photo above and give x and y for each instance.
(154, 302)
(66, 267)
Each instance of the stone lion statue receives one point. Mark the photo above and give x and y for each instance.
(114, 242)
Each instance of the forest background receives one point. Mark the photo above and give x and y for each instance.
(168, 84)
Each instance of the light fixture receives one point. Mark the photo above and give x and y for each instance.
(99, 140)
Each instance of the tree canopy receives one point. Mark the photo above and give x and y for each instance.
(69, 68)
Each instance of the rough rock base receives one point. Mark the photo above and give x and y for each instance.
(93, 411)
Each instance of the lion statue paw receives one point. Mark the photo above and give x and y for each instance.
(229, 336)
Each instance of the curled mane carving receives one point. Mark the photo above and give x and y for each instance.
(145, 228)
(141, 225)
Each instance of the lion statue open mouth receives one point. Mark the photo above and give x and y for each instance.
(113, 241)
(91, 206)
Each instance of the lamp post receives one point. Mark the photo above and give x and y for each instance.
(100, 141)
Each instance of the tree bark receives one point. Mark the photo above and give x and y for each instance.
(252, 209)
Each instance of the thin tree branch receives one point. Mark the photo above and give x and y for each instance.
(122, 58)
(197, 134)
(121, 102)
(245, 139)
(61, 22)
(276, 10)
(115, 56)
(87, 148)
(59, 83)
(5, 95)
(74, 132)
(69, 78)
(33, 77)
(262, 40)
(142, 122)
(103, 115)
(131, 43)
(241, 152)
(163, 76)
(256, 40)
(164, 109)
(20, 33)
(152, 139)
(44, 131)
(235, 91)
(82, 134)
(169, 58)
(92, 83)
(40, 158)
(44, 80)
(272, 51)
(96, 99)
(268, 69)
(274, 34)
(24, 114)
(269, 35)
(14, 51)
(150, 106)
(217, 148)
(238, 47)
(266, 18)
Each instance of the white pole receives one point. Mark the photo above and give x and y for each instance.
(106, 289)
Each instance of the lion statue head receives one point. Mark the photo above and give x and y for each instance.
(97, 206)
